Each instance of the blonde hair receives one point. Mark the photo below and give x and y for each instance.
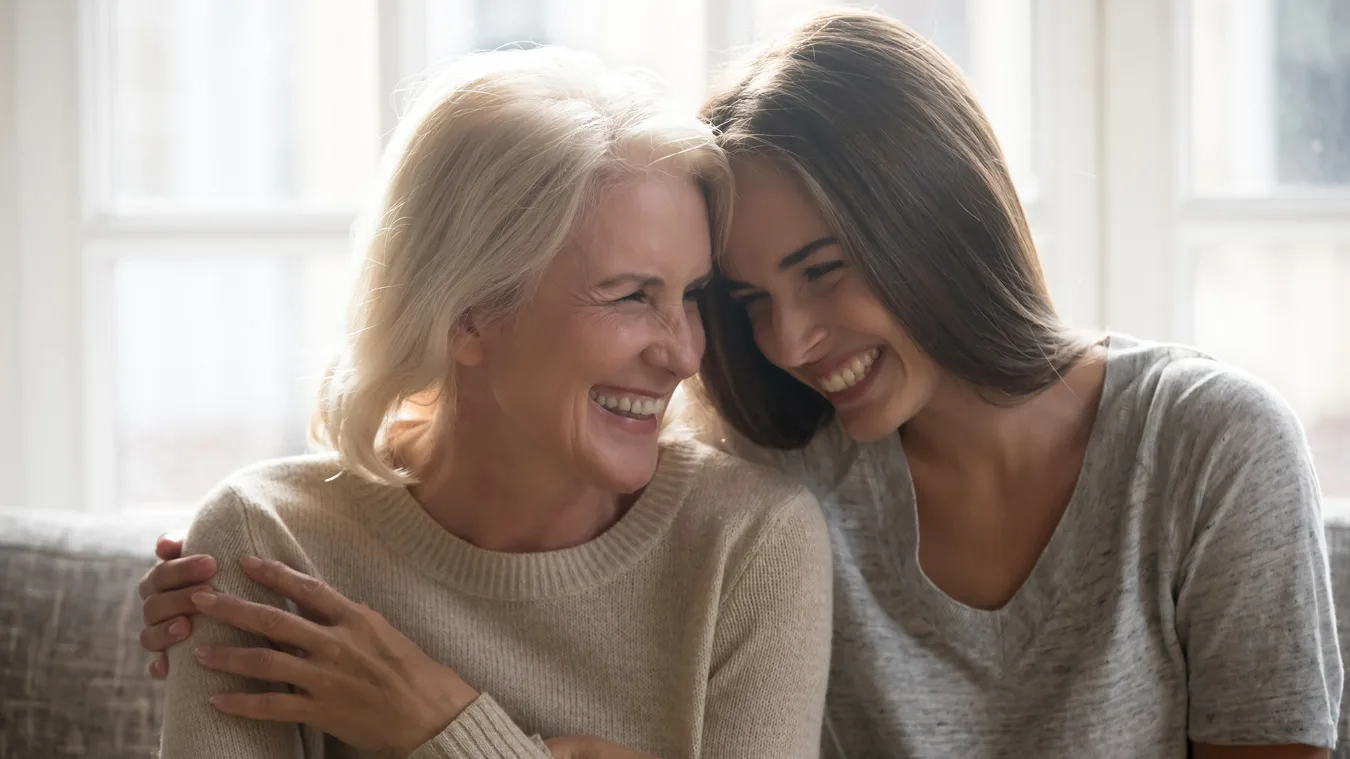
(498, 162)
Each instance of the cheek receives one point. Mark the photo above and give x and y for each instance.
(598, 350)
(862, 312)
(761, 327)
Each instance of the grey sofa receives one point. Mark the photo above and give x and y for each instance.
(72, 675)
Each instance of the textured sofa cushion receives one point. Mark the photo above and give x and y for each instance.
(72, 675)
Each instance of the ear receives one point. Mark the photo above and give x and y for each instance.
(466, 344)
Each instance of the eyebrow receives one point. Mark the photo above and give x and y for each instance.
(643, 280)
(647, 280)
(790, 260)
(804, 252)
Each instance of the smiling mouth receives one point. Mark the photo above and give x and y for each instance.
(629, 406)
(852, 373)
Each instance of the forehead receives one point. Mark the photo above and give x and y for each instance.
(773, 216)
(653, 219)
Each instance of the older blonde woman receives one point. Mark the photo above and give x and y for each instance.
(531, 276)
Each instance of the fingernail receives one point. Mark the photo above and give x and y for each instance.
(200, 652)
(204, 599)
(214, 700)
(251, 562)
(203, 564)
(179, 628)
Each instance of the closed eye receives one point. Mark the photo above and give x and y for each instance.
(746, 300)
(814, 273)
(694, 294)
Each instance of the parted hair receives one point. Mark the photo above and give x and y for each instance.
(885, 134)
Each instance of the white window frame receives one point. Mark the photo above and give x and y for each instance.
(1152, 221)
(58, 247)
(49, 467)
(11, 450)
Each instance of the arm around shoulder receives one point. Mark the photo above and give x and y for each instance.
(771, 651)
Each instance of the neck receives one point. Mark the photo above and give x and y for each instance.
(965, 432)
(500, 496)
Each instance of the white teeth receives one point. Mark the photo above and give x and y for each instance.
(629, 405)
(852, 373)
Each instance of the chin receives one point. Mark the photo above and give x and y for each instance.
(867, 430)
(867, 425)
(626, 471)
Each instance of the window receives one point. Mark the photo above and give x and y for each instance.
(190, 170)
(218, 152)
(217, 110)
(237, 105)
(1247, 243)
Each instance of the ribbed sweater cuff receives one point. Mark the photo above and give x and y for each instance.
(482, 731)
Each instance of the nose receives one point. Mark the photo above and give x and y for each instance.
(792, 338)
(679, 348)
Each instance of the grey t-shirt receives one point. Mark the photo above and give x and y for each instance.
(1183, 596)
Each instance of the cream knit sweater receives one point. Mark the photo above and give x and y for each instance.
(697, 626)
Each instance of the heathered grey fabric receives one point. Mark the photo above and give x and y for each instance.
(1184, 595)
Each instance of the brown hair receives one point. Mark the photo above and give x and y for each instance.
(887, 137)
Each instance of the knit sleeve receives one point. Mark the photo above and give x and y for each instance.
(771, 649)
(483, 731)
(192, 727)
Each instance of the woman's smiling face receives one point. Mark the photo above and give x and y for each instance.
(813, 314)
(582, 374)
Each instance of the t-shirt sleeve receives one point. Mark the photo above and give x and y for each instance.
(192, 727)
(1254, 609)
(771, 649)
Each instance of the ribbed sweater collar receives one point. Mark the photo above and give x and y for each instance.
(406, 528)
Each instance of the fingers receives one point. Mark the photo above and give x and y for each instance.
(158, 638)
(177, 573)
(159, 668)
(162, 607)
(275, 624)
(273, 707)
(264, 664)
(309, 593)
(169, 545)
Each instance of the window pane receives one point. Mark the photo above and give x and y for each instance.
(666, 38)
(990, 40)
(1270, 96)
(242, 105)
(1280, 312)
(218, 362)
